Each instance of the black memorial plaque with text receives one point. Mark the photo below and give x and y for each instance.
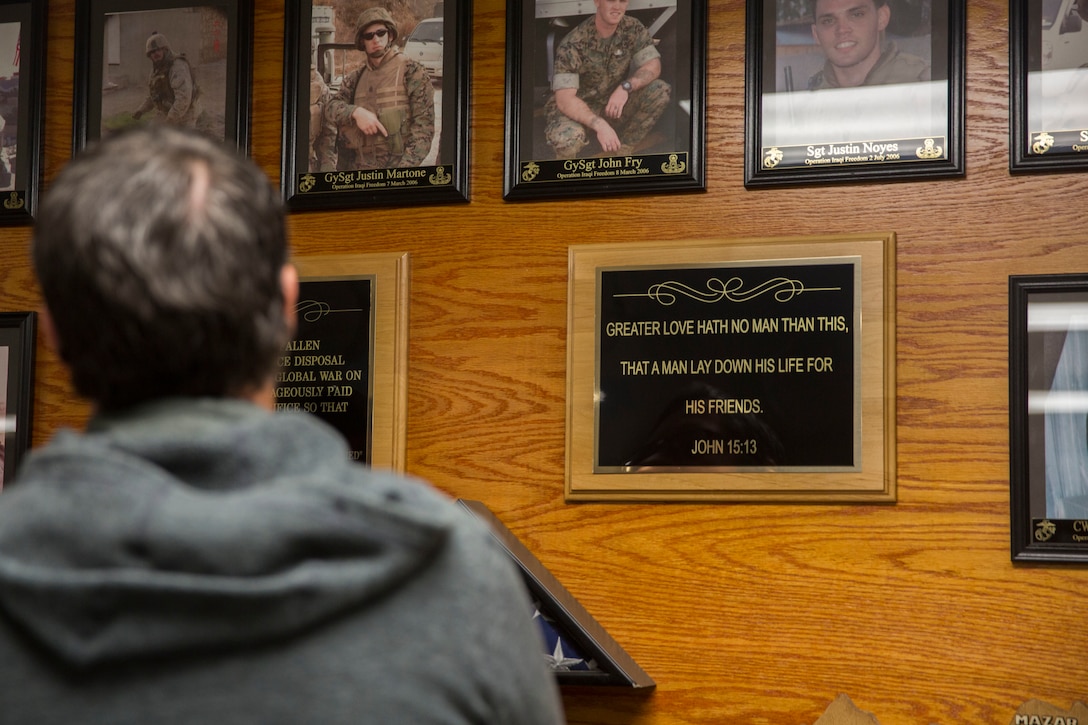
(326, 369)
(749, 367)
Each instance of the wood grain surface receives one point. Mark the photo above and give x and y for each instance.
(742, 613)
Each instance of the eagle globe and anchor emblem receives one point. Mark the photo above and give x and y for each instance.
(772, 157)
(1043, 143)
(307, 183)
(530, 171)
(1045, 529)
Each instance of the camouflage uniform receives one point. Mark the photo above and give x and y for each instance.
(6, 181)
(400, 93)
(322, 130)
(892, 67)
(596, 66)
(172, 89)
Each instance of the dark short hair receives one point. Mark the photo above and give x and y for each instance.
(812, 7)
(159, 253)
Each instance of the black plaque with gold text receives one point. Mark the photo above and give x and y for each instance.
(326, 369)
(752, 366)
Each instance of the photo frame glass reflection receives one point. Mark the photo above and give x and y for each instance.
(376, 103)
(22, 45)
(11, 31)
(1057, 417)
(604, 97)
(849, 86)
(17, 354)
(142, 62)
(1057, 78)
(182, 53)
(1048, 417)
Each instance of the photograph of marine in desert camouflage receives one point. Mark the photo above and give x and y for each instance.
(163, 63)
(375, 103)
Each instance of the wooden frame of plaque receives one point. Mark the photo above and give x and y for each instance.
(732, 370)
(367, 296)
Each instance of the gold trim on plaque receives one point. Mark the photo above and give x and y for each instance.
(389, 371)
(872, 479)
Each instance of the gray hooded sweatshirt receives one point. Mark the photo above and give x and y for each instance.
(205, 561)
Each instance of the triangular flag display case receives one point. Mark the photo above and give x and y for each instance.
(579, 649)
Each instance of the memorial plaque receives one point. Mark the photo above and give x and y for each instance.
(713, 367)
(728, 370)
(326, 368)
(347, 362)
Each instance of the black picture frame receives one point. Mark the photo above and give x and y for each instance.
(1048, 86)
(112, 68)
(672, 156)
(22, 79)
(443, 177)
(1048, 408)
(17, 342)
(565, 615)
(798, 130)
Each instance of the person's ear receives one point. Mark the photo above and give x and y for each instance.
(884, 15)
(289, 289)
(49, 329)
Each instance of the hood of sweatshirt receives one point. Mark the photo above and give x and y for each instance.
(196, 524)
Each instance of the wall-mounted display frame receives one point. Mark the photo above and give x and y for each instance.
(22, 78)
(732, 370)
(348, 363)
(655, 143)
(1048, 408)
(141, 61)
(607, 663)
(330, 165)
(17, 341)
(811, 116)
(1048, 85)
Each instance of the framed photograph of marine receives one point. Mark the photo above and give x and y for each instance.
(375, 103)
(1048, 417)
(1048, 85)
(22, 74)
(163, 61)
(853, 90)
(604, 97)
(17, 341)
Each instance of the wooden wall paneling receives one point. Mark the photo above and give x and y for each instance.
(741, 613)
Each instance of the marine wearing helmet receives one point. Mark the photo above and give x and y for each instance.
(369, 17)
